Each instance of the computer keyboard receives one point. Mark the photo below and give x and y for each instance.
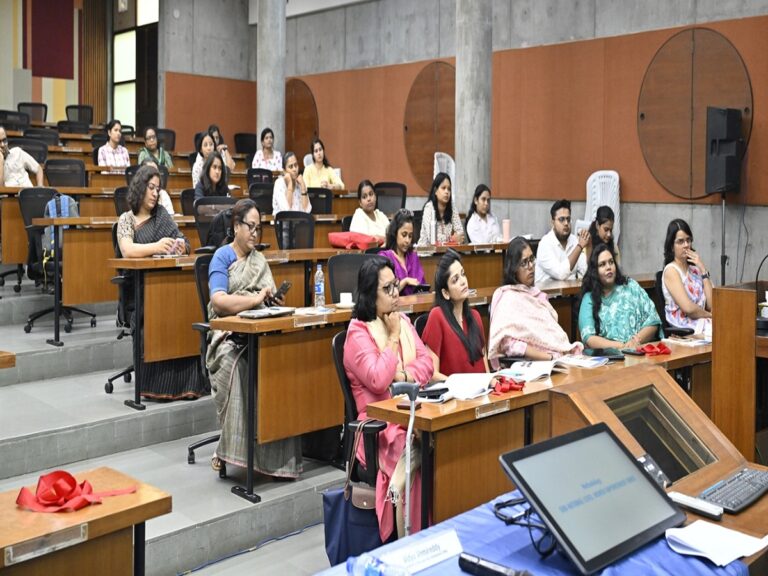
(737, 491)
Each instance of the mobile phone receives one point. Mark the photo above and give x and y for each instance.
(284, 287)
(262, 246)
(632, 352)
(406, 405)
(432, 393)
(423, 288)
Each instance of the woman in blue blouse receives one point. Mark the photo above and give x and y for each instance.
(615, 311)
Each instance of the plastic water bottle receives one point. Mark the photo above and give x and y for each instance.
(367, 565)
(319, 287)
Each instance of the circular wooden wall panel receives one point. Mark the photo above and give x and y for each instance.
(430, 121)
(301, 122)
(694, 69)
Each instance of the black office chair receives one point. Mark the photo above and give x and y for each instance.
(258, 175)
(125, 308)
(261, 193)
(246, 143)
(35, 148)
(130, 172)
(346, 222)
(390, 196)
(69, 127)
(13, 120)
(127, 130)
(321, 199)
(99, 139)
(36, 110)
(342, 273)
(80, 113)
(658, 300)
(191, 159)
(188, 202)
(420, 323)
(32, 202)
(417, 217)
(206, 209)
(166, 138)
(294, 230)
(121, 202)
(203, 294)
(249, 160)
(50, 137)
(66, 173)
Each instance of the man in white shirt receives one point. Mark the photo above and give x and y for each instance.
(560, 255)
(16, 165)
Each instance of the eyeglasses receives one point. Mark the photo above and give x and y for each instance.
(4, 140)
(151, 186)
(392, 288)
(564, 219)
(543, 540)
(684, 241)
(150, 137)
(528, 262)
(253, 229)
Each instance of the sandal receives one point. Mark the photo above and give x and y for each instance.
(216, 463)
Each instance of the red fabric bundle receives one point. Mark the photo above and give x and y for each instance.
(60, 492)
(352, 240)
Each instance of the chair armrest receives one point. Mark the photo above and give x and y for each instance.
(675, 331)
(205, 250)
(118, 280)
(201, 327)
(371, 449)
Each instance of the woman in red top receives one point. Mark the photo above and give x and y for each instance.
(454, 332)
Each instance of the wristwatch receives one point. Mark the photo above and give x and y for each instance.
(705, 276)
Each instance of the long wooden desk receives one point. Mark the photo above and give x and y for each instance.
(109, 537)
(467, 436)
(178, 178)
(7, 359)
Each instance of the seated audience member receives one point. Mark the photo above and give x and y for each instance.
(440, 223)
(615, 311)
(454, 331)
(221, 147)
(289, 192)
(267, 158)
(113, 154)
(213, 181)
(482, 226)
(368, 219)
(153, 151)
(147, 229)
(382, 347)
(601, 232)
(523, 322)
(16, 165)
(399, 250)
(560, 255)
(685, 282)
(320, 174)
(162, 198)
(239, 279)
(204, 148)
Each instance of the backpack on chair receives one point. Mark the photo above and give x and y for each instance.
(60, 206)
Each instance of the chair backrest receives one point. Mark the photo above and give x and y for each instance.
(307, 160)
(80, 113)
(294, 230)
(130, 172)
(390, 196)
(206, 209)
(125, 293)
(321, 199)
(50, 137)
(36, 110)
(261, 193)
(259, 175)
(445, 163)
(69, 127)
(121, 200)
(127, 130)
(13, 120)
(166, 138)
(417, 217)
(342, 274)
(197, 138)
(188, 202)
(32, 202)
(246, 143)
(420, 322)
(192, 158)
(98, 140)
(202, 264)
(350, 408)
(35, 148)
(346, 222)
(603, 190)
(66, 172)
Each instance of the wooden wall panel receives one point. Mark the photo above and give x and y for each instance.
(93, 58)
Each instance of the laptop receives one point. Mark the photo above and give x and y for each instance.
(595, 498)
(268, 312)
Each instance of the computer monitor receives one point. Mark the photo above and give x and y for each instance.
(592, 494)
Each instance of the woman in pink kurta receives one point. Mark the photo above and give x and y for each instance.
(382, 347)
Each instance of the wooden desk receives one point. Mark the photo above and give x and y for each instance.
(7, 359)
(114, 531)
(178, 178)
(132, 143)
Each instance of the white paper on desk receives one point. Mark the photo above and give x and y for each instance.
(313, 311)
(468, 386)
(529, 370)
(719, 544)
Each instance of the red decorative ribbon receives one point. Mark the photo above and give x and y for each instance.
(59, 491)
(506, 384)
(655, 349)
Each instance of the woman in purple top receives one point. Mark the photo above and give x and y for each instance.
(399, 249)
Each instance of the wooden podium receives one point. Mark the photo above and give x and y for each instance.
(106, 538)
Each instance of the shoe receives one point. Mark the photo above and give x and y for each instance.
(216, 464)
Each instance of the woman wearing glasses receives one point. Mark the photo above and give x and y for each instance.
(399, 250)
(153, 151)
(523, 322)
(144, 230)
(382, 347)
(685, 282)
(615, 311)
(239, 279)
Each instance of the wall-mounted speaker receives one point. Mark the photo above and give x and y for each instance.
(724, 150)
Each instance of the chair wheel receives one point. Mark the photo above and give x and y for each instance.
(28, 328)
(223, 471)
(108, 387)
(2, 281)
(68, 327)
(17, 288)
(127, 378)
(93, 322)
(190, 457)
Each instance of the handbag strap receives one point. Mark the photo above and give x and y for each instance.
(355, 444)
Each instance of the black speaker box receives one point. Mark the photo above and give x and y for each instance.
(724, 150)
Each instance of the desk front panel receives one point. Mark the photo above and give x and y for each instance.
(85, 274)
(321, 234)
(481, 268)
(294, 273)
(171, 306)
(298, 389)
(97, 206)
(176, 180)
(12, 232)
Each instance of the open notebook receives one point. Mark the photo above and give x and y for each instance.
(268, 312)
